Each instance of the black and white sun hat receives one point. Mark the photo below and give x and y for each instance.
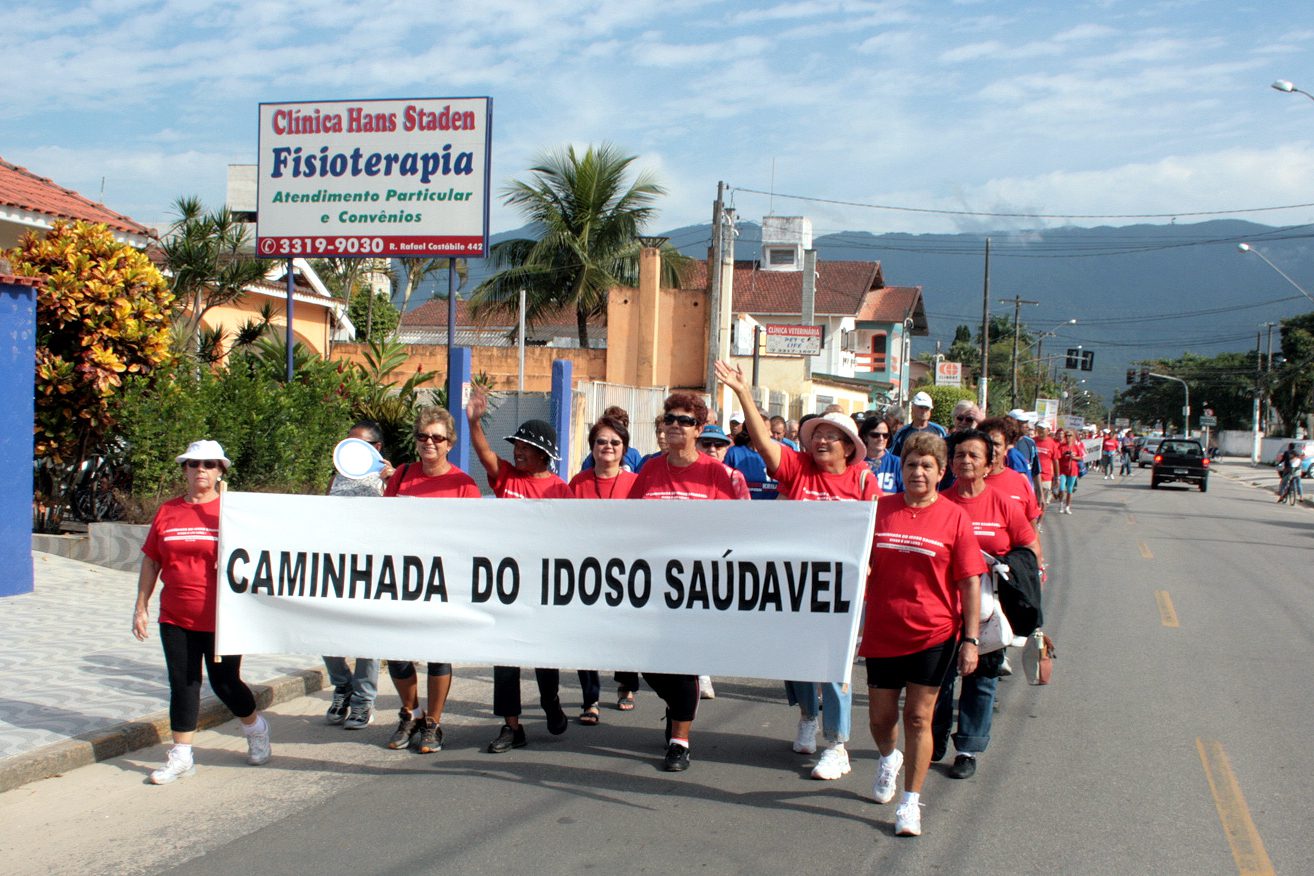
(539, 434)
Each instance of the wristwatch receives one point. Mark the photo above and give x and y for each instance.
(971, 640)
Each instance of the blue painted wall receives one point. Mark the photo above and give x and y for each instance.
(17, 355)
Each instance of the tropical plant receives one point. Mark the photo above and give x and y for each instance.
(210, 263)
(102, 315)
(373, 315)
(591, 220)
(380, 397)
(1291, 384)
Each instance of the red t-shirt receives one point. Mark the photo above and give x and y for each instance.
(410, 480)
(800, 478)
(1017, 487)
(587, 485)
(996, 519)
(1047, 449)
(516, 483)
(1069, 457)
(918, 556)
(184, 540)
(705, 478)
(1109, 445)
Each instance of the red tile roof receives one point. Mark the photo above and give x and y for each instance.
(841, 287)
(21, 188)
(894, 304)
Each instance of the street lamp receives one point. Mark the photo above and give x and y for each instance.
(1040, 341)
(1286, 86)
(1245, 247)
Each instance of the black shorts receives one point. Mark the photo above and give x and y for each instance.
(927, 668)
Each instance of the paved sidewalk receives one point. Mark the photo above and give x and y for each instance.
(1261, 476)
(78, 688)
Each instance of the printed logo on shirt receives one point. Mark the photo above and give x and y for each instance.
(191, 533)
(908, 543)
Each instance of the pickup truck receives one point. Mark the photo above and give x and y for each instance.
(1182, 460)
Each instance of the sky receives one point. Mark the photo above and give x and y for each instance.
(1074, 113)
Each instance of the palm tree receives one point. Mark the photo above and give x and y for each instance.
(210, 263)
(591, 222)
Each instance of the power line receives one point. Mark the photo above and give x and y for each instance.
(1022, 215)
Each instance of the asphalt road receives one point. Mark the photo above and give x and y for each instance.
(1171, 741)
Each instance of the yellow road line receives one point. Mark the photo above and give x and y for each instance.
(1145, 550)
(1167, 614)
(1239, 828)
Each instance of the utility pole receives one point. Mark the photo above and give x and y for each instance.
(714, 291)
(983, 390)
(1017, 301)
(1268, 369)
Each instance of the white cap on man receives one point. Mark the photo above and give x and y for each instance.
(922, 400)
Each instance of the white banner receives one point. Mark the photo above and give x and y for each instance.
(761, 589)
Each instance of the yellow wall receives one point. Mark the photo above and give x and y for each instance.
(311, 324)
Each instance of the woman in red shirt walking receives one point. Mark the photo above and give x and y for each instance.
(182, 550)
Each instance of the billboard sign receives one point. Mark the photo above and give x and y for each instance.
(948, 373)
(793, 340)
(374, 178)
(1048, 411)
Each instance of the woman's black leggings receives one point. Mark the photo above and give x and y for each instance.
(184, 652)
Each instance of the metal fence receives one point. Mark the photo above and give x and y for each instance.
(506, 411)
(642, 403)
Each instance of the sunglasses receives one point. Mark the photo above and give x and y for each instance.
(965, 419)
(202, 463)
(882, 435)
(436, 439)
(683, 419)
(608, 442)
(711, 445)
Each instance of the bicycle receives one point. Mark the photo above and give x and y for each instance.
(1291, 490)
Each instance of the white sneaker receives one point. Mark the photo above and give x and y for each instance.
(705, 689)
(258, 750)
(887, 777)
(834, 763)
(805, 742)
(176, 767)
(908, 820)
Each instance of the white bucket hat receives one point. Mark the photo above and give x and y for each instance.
(206, 449)
(841, 422)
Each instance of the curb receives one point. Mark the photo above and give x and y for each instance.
(128, 736)
(1307, 501)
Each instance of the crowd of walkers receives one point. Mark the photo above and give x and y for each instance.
(952, 506)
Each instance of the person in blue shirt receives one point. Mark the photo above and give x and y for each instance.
(919, 421)
(778, 425)
(748, 462)
(632, 459)
(875, 433)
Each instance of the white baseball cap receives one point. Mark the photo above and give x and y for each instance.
(205, 449)
(1024, 416)
(923, 400)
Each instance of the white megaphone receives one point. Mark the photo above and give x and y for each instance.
(356, 459)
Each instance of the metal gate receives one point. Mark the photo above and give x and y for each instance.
(642, 403)
(506, 411)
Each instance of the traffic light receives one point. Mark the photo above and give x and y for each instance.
(1073, 358)
(1145, 375)
(1131, 376)
(1087, 360)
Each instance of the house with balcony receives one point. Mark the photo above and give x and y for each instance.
(867, 326)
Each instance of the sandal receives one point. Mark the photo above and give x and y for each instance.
(625, 701)
(590, 716)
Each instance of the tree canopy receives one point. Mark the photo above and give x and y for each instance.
(591, 218)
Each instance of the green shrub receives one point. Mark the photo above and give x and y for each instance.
(945, 397)
(280, 436)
